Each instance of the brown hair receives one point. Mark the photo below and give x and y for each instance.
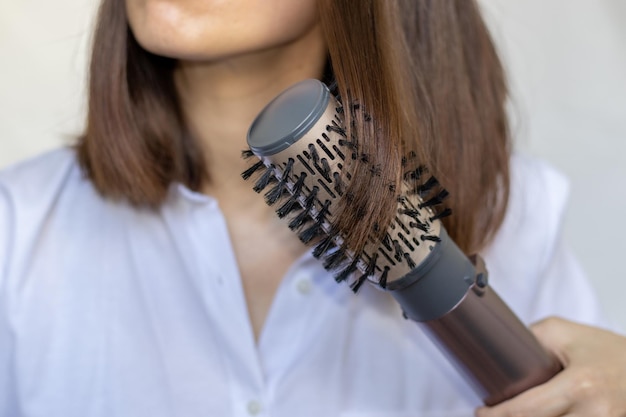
(425, 70)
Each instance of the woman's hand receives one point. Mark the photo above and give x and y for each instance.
(593, 383)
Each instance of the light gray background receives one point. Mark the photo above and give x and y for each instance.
(567, 67)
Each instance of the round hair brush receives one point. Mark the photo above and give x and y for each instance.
(304, 169)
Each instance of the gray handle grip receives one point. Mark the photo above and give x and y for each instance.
(482, 337)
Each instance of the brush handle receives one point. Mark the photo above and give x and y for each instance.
(451, 300)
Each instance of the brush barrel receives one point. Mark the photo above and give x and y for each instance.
(451, 300)
(433, 281)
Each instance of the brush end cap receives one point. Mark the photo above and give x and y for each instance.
(288, 117)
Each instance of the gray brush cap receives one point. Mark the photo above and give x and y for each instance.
(288, 117)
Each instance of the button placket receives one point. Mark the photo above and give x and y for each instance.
(304, 285)
(254, 407)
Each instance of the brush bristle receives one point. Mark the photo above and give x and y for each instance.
(308, 184)
(265, 179)
(250, 171)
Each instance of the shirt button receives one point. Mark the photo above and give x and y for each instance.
(254, 408)
(303, 286)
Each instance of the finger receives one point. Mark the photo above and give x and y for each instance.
(545, 400)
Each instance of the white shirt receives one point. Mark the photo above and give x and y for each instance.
(111, 311)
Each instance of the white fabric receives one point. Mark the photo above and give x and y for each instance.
(110, 311)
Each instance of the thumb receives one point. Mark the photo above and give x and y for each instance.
(556, 335)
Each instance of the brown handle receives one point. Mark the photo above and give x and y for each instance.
(491, 347)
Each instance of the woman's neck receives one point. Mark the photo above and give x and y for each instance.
(220, 99)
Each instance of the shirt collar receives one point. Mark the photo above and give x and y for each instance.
(194, 197)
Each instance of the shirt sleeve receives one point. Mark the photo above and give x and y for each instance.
(561, 286)
(531, 265)
(7, 384)
(565, 291)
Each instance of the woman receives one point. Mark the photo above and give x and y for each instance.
(142, 276)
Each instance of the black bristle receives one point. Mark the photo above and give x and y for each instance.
(415, 174)
(333, 89)
(347, 271)
(371, 265)
(339, 185)
(419, 225)
(376, 170)
(310, 199)
(360, 211)
(386, 241)
(335, 259)
(317, 228)
(287, 171)
(427, 186)
(383, 278)
(409, 261)
(247, 153)
(348, 144)
(431, 238)
(324, 246)
(371, 268)
(357, 284)
(273, 195)
(250, 171)
(410, 156)
(301, 219)
(336, 129)
(399, 252)
(265, 179)
(311, 232)
(441, 215)
(414, 214)
(288, 207)
(297, 187)
(305, 215)
(321, 216)
(325, 170)
(292, 203)
(438, 199)
(314, 155)
(365, 158)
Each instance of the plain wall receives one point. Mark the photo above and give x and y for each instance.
(567, 67)
(566, 61)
